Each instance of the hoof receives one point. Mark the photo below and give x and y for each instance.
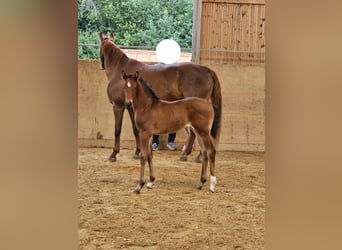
(197, 160)
(112, 159)
(136, 191)
(135, 157)
(211, 190)
(138, 188)
(199, 186)
(149, 185)
(183, 158)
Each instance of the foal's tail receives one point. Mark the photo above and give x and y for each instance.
(216, 99)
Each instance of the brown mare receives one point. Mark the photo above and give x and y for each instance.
(155, 116)
(171, 82)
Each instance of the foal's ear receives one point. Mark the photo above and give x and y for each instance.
(112, 35)
(136, 74)
(123, 75)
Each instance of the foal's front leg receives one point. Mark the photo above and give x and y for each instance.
(150, 164)
(135, 131)
(145, 155)
(142, 176)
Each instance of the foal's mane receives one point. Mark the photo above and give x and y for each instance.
(148, 88)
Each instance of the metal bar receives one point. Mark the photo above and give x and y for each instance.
(196, 31)
(90, 45)
(121, 47)
(184, 50)
(189, 49)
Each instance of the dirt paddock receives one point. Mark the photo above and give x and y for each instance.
(173, 214)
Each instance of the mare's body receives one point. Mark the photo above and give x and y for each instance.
(170, 82)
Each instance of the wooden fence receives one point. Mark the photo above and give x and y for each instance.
(231, 32)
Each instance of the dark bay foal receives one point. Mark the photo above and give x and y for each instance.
(155, 116)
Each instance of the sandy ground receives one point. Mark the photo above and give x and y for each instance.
(173, 214)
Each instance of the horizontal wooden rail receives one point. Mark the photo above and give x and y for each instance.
(260, 2)
(233, 51)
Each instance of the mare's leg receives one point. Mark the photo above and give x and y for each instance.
(118, 116)
(198, 159)
(135, 132)
(144, 156)
(188, 145)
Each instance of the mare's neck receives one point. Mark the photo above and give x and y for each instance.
(114, 57)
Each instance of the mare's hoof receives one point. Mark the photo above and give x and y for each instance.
(197, 160)
(135, 157)
(183, 158)
(199, 186)
(112, 158)
(211, 190)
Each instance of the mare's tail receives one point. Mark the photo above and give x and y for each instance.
(216, 99)
(215, 131)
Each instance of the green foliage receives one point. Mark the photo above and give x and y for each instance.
(134, 23)
(88, 37)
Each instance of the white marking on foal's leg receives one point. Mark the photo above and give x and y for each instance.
(137, 189)
(150, 184)
(212, 183)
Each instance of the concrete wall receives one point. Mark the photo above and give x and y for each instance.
(243, 91)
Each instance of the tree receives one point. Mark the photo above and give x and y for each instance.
(134, 22)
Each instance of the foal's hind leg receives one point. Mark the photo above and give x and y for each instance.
(211, 154)
(204, 169)
(203, 178)
(208, 152)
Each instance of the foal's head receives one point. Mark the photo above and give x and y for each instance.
(130, 87)
(104, 39)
